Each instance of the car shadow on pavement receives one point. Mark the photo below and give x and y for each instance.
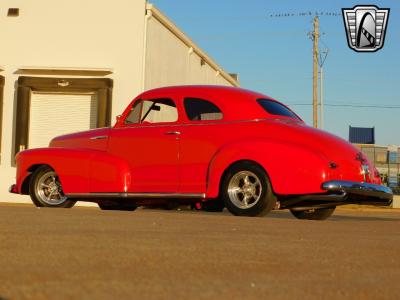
(363, 218)
(337, 217)
(285, 214)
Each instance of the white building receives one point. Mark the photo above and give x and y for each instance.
(73, 65)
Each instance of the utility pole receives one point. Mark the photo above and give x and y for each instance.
(317, 75)
(321, 97)
(322, 57)
(315, 35)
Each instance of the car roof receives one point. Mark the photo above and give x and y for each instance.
(236, 103)
(215, 89)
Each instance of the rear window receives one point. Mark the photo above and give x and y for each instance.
(275, 108)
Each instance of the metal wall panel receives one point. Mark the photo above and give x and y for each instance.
(169, 61)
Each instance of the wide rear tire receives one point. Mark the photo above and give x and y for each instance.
(46, 191)
(314, 214)
(247, 191)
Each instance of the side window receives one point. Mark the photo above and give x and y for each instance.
(153, 111)
(199, 110)
(134, 115)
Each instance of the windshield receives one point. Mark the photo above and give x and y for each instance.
(275, 108)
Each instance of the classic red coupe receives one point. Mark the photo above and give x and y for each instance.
(208, 146)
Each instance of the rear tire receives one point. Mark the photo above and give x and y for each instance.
(114, 205)
(247, 191)
(314, 214)
(46, 191)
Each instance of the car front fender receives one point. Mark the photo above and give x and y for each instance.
(79, 170)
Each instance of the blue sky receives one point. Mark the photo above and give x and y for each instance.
(273, 55)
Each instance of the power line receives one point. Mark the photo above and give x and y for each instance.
(304, 14)
(349, 105)
(322, 40)
(318, 57)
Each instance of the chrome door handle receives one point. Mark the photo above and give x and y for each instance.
(173, 133)
(99, 137)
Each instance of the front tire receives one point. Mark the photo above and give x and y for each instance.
(314, 214)
(247, 191)
(46, 191)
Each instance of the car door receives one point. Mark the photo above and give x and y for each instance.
(202, 136)
(148, 140)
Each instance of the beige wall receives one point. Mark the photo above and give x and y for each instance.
(69, 34)
(91, 35)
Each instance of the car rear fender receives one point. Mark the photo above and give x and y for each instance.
(291, 168)
(79, 170)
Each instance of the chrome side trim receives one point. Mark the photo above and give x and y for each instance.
(183, 125)
(359, 188)
(172, 133)
(137, 195)
(100, 137)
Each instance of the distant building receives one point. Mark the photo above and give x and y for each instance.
(387, 160)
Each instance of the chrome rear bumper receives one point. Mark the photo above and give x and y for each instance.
(341, 192)
(360, 191)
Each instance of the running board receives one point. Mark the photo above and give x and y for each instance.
(136, 195)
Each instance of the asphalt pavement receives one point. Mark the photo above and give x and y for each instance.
(86, 253)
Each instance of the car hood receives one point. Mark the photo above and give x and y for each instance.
(91, 139)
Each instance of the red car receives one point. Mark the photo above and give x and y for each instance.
(209, 146)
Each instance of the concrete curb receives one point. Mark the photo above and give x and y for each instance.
(396, 201)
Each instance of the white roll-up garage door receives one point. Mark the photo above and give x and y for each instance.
(54, 114)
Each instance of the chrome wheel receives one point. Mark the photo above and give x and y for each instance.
(244, 189)
(48, 189)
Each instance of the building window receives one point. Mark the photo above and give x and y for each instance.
(201, 110)
(1, 110)
(59, 105)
